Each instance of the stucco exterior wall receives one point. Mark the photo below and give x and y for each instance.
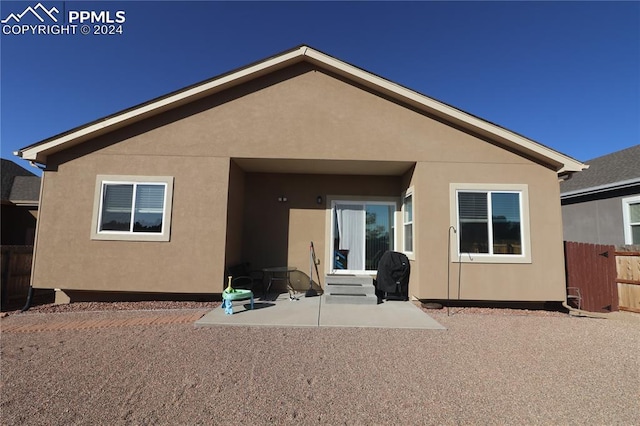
(279, 233)
(301, 113)
(296, 114)
(235, 209)
(542, 279)
(68, 258)
(596, 219)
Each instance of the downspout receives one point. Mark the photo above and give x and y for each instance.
(27, 305)
(35, 241)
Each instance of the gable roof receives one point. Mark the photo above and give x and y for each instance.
(617, 170)
(561, 163)
(19, 185)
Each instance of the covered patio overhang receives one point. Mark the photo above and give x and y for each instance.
(277, 206)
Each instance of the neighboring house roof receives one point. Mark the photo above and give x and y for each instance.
(25, 189)
(561, 163)
(618, 170)
(19, 186)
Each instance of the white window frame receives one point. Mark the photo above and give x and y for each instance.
(409, 253)
(102, 180)
(626, 217)
(525, 235)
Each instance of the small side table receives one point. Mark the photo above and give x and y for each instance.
(238, 294)
(280, 273)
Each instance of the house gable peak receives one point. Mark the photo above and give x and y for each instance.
(561, 163)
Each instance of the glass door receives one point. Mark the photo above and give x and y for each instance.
(362, 232)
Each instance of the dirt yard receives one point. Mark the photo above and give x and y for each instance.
(154, 367)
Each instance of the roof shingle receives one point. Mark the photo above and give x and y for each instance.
(25, 189)
(18, 183)
(609, 169)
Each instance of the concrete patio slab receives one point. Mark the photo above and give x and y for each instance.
(279, 311)
(272, 311)
(390, 314)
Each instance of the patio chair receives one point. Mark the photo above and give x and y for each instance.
(243, 277)
(573, 294)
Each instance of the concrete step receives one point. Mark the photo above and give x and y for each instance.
(350, 289)
(349, 279)
(350, 299)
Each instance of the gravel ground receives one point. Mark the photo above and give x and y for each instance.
(488, 367)
(49, 308)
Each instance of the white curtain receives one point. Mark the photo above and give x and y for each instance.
(351, 222)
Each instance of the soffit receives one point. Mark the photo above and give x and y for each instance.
(324, 167)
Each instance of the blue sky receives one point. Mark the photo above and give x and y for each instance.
(566, 74)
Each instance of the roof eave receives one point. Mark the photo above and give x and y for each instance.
(40, 151)
(560, 162)
(25, 203)
(600, 188)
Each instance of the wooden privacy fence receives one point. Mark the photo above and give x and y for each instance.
(606, 278)
(628, 278)
(16, 273)
(591, 274)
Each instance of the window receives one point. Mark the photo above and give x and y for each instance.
(631, 219)
(132, 208)
(491, 223)
(407, 220)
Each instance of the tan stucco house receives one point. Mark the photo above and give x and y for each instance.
(252, 165)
